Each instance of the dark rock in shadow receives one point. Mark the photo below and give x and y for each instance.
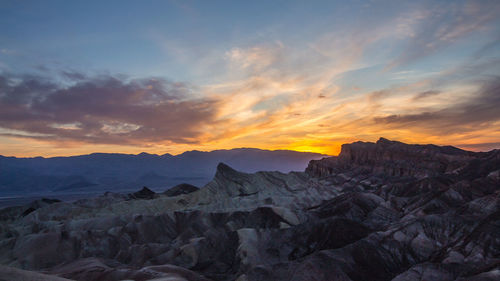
(144, 193)
(183, 188)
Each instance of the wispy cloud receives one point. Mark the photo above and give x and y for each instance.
(436, 26)
(6, 51)
(426, 94)
(480, 109)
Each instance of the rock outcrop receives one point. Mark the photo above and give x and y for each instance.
(183, 188)
(144, 193)
(393, 158)
(378, 211)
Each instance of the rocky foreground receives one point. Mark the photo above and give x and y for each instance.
(378, 211)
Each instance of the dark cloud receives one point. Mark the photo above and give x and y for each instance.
(481, 109)
(408, 118)
(103, 110)
(425, 94)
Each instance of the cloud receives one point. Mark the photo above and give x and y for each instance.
(6, 51)
(255, 59)
(426, 94)
(73, 75)
(434, 27)
(105, 110)
(479, 110)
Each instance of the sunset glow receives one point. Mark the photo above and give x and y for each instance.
(304, 76)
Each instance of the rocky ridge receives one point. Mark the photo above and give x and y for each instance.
(378, 211)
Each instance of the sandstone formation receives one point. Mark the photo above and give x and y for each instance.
(378, 211)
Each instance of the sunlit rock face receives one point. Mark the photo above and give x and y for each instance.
(378, 211)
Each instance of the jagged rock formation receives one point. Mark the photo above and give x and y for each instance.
(392, 158)
(23, 211)
(183, 188)
(378, 211)
(144, 193)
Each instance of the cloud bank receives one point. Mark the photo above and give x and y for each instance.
(108, 110)
(481, 109)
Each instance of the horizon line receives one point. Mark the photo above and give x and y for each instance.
(156, 154)
(465, 147)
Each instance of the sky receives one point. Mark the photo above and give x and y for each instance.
(78, 77)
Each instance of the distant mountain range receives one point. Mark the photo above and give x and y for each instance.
(99, 172)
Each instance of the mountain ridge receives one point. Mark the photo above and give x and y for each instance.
(165, 154)
(101, 172)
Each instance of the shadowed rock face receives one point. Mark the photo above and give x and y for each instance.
(144, 193)
(392, 158)
(183, 188)
(378, 211)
